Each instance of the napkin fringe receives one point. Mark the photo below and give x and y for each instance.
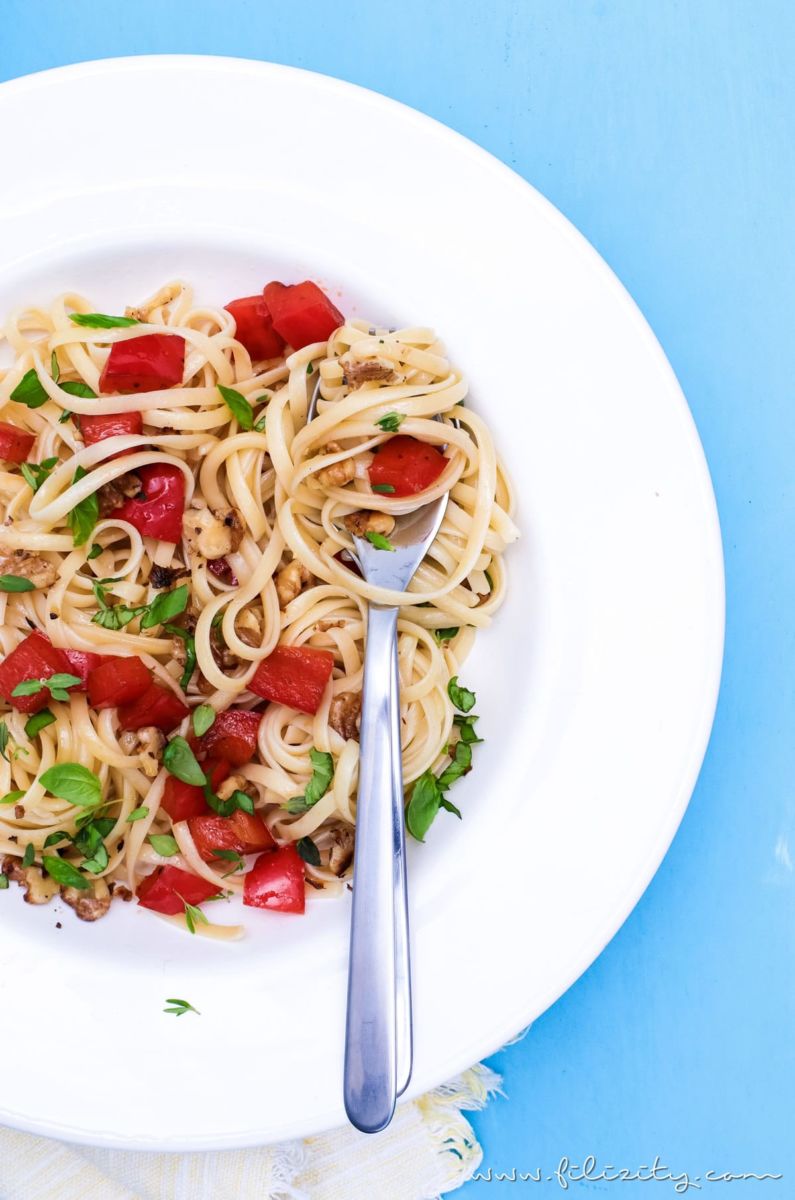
(443, 1110)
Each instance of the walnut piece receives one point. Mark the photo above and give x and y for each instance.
(148, 743)
(40, 571)
(213, 533)
(366, 371)
(338, 474)
(114, 494)
(345, 714)
(291, 580)
(364, 522)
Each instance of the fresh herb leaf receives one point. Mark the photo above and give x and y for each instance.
(63, 872)
(181, 1007)
(165, 606)
(489, 581)
(76, 387)
(3, 740)
(233, 857)
(385, 488)
(3, 882)
(53, 839)
(55, 370)
(35, 474)
(137, 814)
(391, 421)
(216, 621)
(225, 808)
(85, 514)
(28, 687)
(101, 321)
(39, 721)
(95, 551)
(309, 368)
(462, 698)
(104, 825)
(56, 685)
(29, 857)
(446, 635)
(15, 583)
(192, 915)
(30, 391)
(308, 851)
(73, 783)
(12, 797)
(466, 728)
(64, 417)
(116, 617)
(461, 763)
(190, 651)
(378, 540)
(203, 719)
(243, 801)
(260, 425)
(180, 761)
(423, 805)
(164, 844)
(239, 407)
(318, 785)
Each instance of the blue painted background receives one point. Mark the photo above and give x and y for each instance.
(665, 130)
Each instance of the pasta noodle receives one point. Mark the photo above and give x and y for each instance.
(271, 492)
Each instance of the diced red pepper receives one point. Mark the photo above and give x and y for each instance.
(276, 881)
(184, 800)
(15, 444)
(168, 889)
(157, 513)
(243, 832)
(144, 364)
(82, 662)
(118, 680)
(302, 313)
(97, 428)
(232, 736)
(34, 658)
(255, 327)
(158, 706)
(295, 676)
(221, 569)
(407, 465)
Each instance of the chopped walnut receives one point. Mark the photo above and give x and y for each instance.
(357, 373)
(363, 522)
(39, 888)
(90, 904)
(114, 494)
(237, 783)
(40, 572)
(163, 577)
(148, 743)
(324, 626)
(291, 580)
(340, 855)
(345, 714)
(118, 890)
(213, 533)
(338, 474)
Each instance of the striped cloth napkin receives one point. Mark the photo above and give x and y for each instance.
(428, 1150)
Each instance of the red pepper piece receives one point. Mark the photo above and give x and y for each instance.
(15, 444)
(34, 658)
(168, 889)
(255, 327)
(158, 706)
(276, 881)
(295, 676)
(302, 313)
(118, 681)
(243, 832)
(157, 513)
(144, 364)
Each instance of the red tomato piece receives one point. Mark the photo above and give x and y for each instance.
(168, 889)
(158, 706)
(15, 444)
(82, 662)
(243, 832)
(295, 676)
(276, 881)
(232, 736)
(407, 465)
(97, 428)
(34, 658)
(117, 681)
(158, 511)
(302, 313)
(255, 327)
(221, 569)
(184, 800)
(144, 364)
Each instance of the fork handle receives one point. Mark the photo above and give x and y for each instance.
(405, 1036)
(370, 1083)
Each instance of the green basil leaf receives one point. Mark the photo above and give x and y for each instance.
(164, 844)
(308, 851)
(385, 488)
(52, 839)
(73, 783)
(64, 417)
(489, 581)
(55, 370)
(63, 872)
(30, 391)
(3, 740)
(239, 407)
(15, 583)
(62, 680)
(423, 805)
(98, 861)
(448, 806)
(203, 719)
(39, 721)
(29, 857)
(84, 516)
(180, 761)
(391, 421)
(137, 814)
(446, 635)
(190, 652)
(378, 540)
(28, 687)
(260, 425)
(35, 474)
(181, 1007)
(466, 727)
(193, 915)
(462, 762)
(165, 606)
(76, 387)
(322, 775)
(242, 801)
(95, 551)
(462, 698)
(101, 321)
(12, 797)
(3, 882)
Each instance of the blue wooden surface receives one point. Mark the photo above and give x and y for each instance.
(665, 131)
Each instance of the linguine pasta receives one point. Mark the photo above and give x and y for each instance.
(271, 493)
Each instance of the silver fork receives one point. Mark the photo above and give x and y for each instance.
(378, 1035)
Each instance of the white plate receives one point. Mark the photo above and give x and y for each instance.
(596, 684)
